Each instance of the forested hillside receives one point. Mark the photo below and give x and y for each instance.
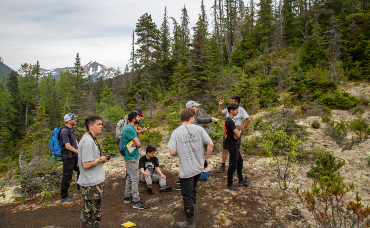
(294, 53)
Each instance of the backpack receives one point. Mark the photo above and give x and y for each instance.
(121, 147)
(121, 124)
(55, 147)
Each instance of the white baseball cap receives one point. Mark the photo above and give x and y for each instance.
(191, 104)
(70, 116)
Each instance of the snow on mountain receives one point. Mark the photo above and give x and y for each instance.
(95, 69)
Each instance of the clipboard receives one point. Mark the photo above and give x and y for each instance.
(130, 146)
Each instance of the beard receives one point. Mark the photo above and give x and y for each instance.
(137, 121)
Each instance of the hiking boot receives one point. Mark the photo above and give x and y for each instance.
(243, 182)
(178, 188)
(149, 189)
(139, 205)
(189, 222)
(178, 182)
(232, 188)
(128, 199)
(67, 199)
(221, 169)
(165, 188)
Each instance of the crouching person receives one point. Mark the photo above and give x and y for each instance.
(187, 143)
(147, 165)
(92, 173)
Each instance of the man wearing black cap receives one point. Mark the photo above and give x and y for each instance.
(69, 144)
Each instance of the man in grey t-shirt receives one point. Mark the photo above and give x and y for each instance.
(187, 143)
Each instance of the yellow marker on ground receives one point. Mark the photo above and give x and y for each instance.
(128, 224)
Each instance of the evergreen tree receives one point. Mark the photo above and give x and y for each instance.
(185, 32)
(15, 112)
(148, 55)
(165, 44)
(79, 83)
(264, 25)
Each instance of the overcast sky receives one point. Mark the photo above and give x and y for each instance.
(53, 31)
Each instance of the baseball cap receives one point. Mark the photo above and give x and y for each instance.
(70, 116)
(139, 110)
(191, 104)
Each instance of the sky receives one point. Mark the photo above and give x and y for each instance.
(54, 31)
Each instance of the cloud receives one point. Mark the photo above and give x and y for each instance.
(53, 31)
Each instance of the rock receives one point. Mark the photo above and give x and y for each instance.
(241, 198)
(244, 213)
(227, 223)
(152, 202)
(295, 211)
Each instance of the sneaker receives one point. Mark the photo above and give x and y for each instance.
(139, 205)
(67, 199)
(149, 189)
(243, 182)
(128, 199)
(178, 182)
(178, 188)
(232, 188)
(221, 169)
(165, 188)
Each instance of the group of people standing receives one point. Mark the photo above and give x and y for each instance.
(186, 142)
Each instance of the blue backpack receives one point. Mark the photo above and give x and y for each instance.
(121, 147)
(55, 146)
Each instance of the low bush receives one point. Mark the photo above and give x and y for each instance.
(109, 145)
(39, 176)
(326, 202)
(326, 165)
(315, 124)
(280, 143)
(339, 99)
(252, 145)
(151, 137)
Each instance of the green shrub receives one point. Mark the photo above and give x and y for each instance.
(326, 165)
(151, 137)
(251, 146)
(280, 143)
(173, 116)
(326, 203)
(315, 124)
(109, 145)
(339, 99)
(358, 109)
(155, 120)
(114, 113)
(38, 176)
(360, 127)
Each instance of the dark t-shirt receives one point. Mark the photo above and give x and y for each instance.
(150, 164)
(229, 126)
(65, 139)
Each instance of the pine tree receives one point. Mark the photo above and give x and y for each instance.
(264, 25)
(185, 32)
(15, 113)
(79, 82)
(165, 44)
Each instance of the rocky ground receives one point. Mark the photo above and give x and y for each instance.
(259, 205)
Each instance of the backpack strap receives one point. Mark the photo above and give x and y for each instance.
(69, 136)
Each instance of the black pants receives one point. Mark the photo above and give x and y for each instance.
(69, 164)
(235, 162)
(189, 189)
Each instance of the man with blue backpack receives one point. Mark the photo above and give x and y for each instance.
(69, 156)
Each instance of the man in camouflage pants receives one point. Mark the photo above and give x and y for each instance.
(92, 173)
